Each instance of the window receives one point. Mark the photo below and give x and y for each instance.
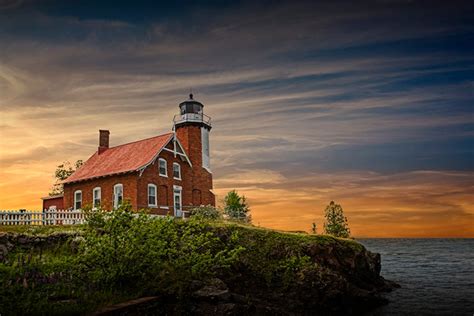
(78, 200)
(118, 195)
(176, 171)
(177, 190)
(96, 196)
(152, 195)
(162, 167)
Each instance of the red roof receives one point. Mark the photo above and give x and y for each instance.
(121, 159)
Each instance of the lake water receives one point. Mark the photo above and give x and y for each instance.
(436, 275)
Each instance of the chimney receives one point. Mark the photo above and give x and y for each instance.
(103, 140)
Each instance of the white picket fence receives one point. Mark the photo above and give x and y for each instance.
(52, 217)
(47, 217)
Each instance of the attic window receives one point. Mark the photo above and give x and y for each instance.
(176, 171)
(162, 167)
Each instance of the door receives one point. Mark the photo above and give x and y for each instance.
(178, 212)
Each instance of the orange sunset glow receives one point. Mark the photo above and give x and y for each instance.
(303, 111)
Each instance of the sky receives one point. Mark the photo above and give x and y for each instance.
(367, 103)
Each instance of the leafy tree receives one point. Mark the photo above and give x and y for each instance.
(235, 206)
(63, 171)
(336, 223)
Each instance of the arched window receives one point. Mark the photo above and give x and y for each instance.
(162, 166)
(96, 197)
(118, 195)
(152, 200)
(78, 200)
(176, 171)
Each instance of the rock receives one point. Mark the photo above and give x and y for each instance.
(215, 289)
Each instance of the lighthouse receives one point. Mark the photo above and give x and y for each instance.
(192, 127)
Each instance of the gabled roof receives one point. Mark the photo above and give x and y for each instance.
(121, 159)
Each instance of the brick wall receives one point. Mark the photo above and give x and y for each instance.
(57, 201)
(196, 182)
(151, 176)
(129, 182)
(190, 137)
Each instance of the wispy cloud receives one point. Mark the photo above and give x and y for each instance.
(310, 101)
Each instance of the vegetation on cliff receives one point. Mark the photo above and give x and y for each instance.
(194, 265)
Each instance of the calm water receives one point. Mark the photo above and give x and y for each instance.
(436, 275)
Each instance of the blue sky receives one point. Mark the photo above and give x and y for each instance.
(303, 95)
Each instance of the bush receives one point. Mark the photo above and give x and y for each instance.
(236, 208)
(134, 251)
(206, 212)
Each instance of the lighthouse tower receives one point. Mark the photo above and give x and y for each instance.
(192, 128)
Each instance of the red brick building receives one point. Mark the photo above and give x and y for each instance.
(166, 174)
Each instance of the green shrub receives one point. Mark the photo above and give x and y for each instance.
(133, 250)
(206, 212)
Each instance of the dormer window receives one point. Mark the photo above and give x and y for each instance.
(162, 166)
(176, 171)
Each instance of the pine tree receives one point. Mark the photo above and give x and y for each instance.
(336, 223)
(235, 206)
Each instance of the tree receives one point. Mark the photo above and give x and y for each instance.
(313, 228)
(63, 171)
(336, 223)
(235, 206)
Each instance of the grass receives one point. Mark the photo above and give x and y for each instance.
(40, 229)
(273, 257)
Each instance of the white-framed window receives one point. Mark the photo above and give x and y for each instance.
(177, 194)
(96, 197)
(152, 200)
(118, 195)
(78, 200)
(162, 167)
(176, 171)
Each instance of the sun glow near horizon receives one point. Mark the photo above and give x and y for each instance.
(365, 108)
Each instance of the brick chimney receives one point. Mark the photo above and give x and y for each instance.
(103, 140)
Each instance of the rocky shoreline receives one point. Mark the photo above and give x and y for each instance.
(347, 280)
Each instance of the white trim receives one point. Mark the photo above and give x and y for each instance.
(178, 191)
(76, 200)
(174, 152)
(173, 137)
(93, 196)
(115, 198)
(165, 207)
(151, 185)
(184, 152)
(166, 167)
(179, 171)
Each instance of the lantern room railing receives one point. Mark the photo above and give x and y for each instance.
(192, 117)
